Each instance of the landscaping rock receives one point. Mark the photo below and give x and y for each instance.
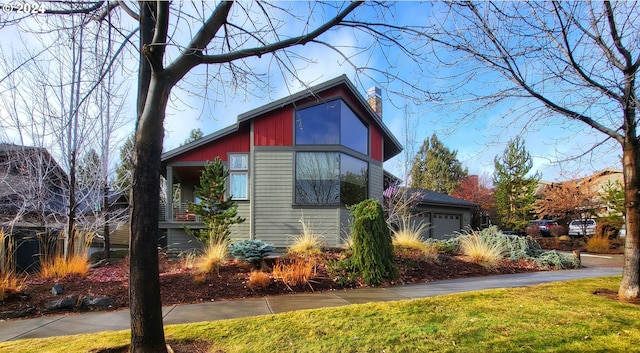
(68, 302)
(99, 303)
(57, 289)
(14, 314)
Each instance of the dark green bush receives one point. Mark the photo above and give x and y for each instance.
(251, 250)
(372, 247)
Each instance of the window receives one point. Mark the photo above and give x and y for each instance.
(330, 178)
(239, 176)
(331, 123)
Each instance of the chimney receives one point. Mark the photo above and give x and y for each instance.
(374, 98)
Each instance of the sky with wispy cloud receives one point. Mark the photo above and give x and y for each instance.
(206, 100)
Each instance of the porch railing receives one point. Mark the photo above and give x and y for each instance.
(180, 213)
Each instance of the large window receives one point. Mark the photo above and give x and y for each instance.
(239, 176)
(330, 178)
(332, 123)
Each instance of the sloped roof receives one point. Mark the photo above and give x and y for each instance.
(430, 197)
(391, 145)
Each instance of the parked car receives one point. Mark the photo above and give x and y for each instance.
(577, 227)
(542, 226)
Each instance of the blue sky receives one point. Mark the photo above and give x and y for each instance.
(477, 141)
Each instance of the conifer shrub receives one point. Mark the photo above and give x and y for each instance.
(252, 251)
(372, 248)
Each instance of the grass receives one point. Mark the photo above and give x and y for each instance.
(308, 242)
(480, 249)
(298, 271)
(556, 317)
(598, 243)
(10, 281)
(409, 236)
(55, 265)
(212, 257)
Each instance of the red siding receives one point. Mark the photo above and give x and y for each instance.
(376, 143)
(236, 142)
(274, 129)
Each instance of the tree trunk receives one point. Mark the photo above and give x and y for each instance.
(629, 286)
(147, 334)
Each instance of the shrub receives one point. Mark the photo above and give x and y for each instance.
(10, 282)
(212, 257)
(252, 251)
(372, 247)
(308, 242)
(555, 259)
(448, 247)
(558, 231)
(481, 250)
(56, 265)
(258, 279)
(598, 243)
(298, 271)
(409, 236)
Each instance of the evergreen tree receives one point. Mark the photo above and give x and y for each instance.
(125, 168)
(435, 167)
(515, 191)
(372, 247)
(216, 211)
(194, 135)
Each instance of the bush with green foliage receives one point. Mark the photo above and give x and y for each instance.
(372, 247)
(216, 210)
(252, 251)
(516, 248)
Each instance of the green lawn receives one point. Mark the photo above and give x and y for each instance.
(562, 317)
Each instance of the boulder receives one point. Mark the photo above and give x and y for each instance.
(98, 303)
(68, 302)
(57, 289)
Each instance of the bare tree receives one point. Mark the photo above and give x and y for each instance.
(568, 200)
(221, 42)
(572, 60)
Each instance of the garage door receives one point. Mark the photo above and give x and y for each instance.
(444, 225)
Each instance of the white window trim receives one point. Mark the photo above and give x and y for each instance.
(239, 171)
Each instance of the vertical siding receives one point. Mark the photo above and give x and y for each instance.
(376, 175)
(236, 142)
(274, 128)
(376, 143)
(276, 220)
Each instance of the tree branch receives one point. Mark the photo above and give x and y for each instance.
(299, 40)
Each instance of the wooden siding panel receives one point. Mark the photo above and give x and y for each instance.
(274, 128)
(236, 142)
(375, 143)
(276, 220)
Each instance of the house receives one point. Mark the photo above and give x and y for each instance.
(32, 199)
(303, 157)
(32, 187)
(444, 214)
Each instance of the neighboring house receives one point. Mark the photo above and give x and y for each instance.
(445, 214)
(304, 156)
(593, 184)
(32, 187)
(32, 199)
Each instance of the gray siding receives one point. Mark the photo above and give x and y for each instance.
(242, 230)
(345, 223)
(179, 241)
(276, 221)
(375, 180)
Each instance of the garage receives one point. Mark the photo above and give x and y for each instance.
(444, 225)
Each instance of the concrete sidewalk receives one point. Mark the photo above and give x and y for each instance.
(61, 325)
